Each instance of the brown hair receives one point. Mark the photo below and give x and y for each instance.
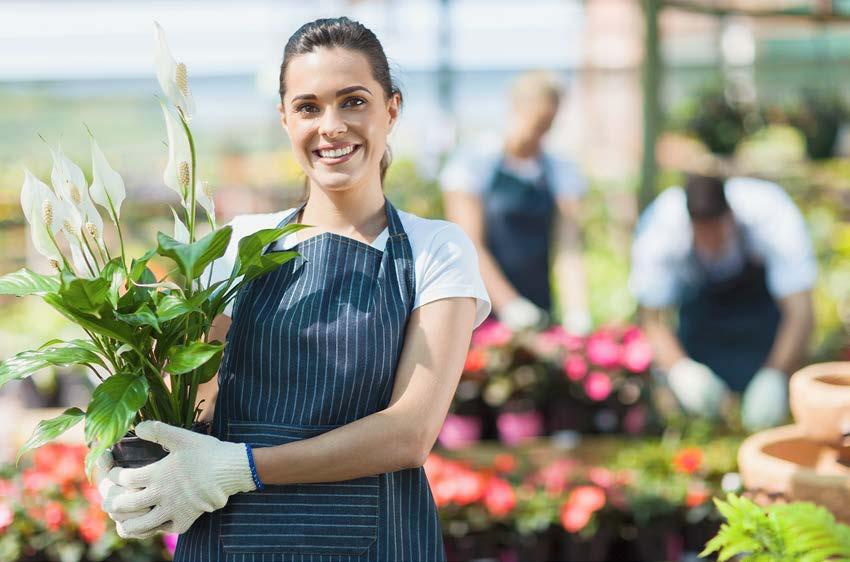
(342, 33)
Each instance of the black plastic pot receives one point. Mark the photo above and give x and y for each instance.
(135, 452)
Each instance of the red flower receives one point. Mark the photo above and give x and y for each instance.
(476, 360)
(504, 463)
(93, 525)
(555, 476)
(575, 367)
(696, 496)
(574, 517)
(499, 497)
(54, 515)
(601, 476)
(687, 460)
(469, 487)
(598, 386)
(590, 497)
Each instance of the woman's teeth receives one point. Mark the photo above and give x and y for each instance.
(338, 153)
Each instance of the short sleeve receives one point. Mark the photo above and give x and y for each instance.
(465, 173)
(450, 269)
(778, 234)
(568, 181)
(659, 252)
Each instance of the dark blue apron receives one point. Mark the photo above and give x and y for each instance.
(731, 325)
(518, 218)
(314, 345)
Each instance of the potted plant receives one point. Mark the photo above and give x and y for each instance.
(140, 329)
(818, 115)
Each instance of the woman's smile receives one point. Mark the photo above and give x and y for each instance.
(335, 153)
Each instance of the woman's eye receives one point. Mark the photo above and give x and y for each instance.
(353, 102)
(306, 108)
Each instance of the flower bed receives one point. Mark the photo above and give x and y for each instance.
(50, 512)
(519, 386)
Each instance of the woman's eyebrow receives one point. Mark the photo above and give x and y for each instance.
(342, 92)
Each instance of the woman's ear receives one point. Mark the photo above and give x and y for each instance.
(282, 115)
(393, 108)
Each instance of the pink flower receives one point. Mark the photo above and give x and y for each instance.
(632, 333)
(555, 476)
(491, 333)
(469, 487)
(6, 516)
(601, 476)
(170, 541)
(575, 367)
(598, 386)
(460, 431)
(637, 355)
(516, 427)
(603, 351)
(571, 342)
(54, 515)
(499, 497)
(635, 419)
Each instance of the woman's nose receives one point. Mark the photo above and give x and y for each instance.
(332, 124)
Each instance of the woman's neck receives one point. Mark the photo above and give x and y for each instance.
(356, 213)
(521, 150)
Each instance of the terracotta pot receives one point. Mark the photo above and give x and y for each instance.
(820, 401)
(135, 452)
(783, 462)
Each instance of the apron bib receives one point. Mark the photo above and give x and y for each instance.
(731, 325)
(518, 217)
(314, 345)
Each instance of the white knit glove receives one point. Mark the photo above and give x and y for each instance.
(765, 400)
(109, 490)
(522, 314)
(698, 389)
(198, 475)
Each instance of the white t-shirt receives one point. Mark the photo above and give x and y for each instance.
(472, 172)
(445, 260)
(774, 230)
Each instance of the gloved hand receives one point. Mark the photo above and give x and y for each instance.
(765, 400)
(522, 314)
(109, 490)
(699, 390)
(578, 322)
(199, 474)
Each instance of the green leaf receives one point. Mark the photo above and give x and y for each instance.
(85, 295)
(171, 306)
(102, 326)
(250, 247)
(25, 282)
(113, 407)
(139, 266)
(266, 263)
(209, 369)
(48, 430)
(185, 358)
(193, 258)
(26, 363)
(113, 273)
(143, 316)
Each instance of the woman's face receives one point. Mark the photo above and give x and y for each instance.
(337, 117)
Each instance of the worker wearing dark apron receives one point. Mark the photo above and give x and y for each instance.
(733, 261)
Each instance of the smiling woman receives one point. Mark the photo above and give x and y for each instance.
(338, 370)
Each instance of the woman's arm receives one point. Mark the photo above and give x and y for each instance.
(569, 267)
(209, 390)
(465, 210)
(794, 333)
(400, 436)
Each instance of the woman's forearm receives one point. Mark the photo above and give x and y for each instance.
(375, 444)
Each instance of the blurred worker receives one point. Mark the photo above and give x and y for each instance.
(734, 259)
(518, 202)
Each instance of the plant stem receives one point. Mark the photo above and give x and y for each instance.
(192, 180)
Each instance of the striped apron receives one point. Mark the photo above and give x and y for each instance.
(314, 345)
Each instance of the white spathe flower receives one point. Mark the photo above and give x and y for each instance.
(107, 188)
(178, 171)
(181, 233)
(172, 76)
(204, 197)
(77, 251)
(70, 183)
(43, 213)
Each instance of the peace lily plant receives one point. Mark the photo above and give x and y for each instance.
(139, 329)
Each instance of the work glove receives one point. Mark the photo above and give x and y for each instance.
(522, 314)
(697, 388)
(765, 400)
(578, 323)
(109, 490)
(198, 475)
